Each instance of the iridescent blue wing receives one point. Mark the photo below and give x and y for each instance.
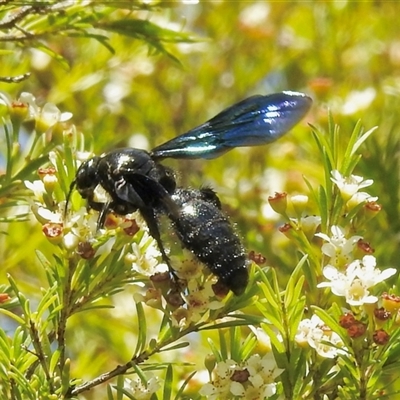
(254, 121)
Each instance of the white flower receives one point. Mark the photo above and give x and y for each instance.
(38, 189)
(141, 391)
(251, 379)
(29, 99)
(366, 270)
(198, 302)
(188, 268)
(349, 186)
(220, 387)
(358, 198)
(316, 334)
(263, 372)
(263, 340)
(144, 256)
(49, 115)
(338, 248)
(80, 226)
(355, 282)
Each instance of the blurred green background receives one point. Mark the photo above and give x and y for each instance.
(345, 54)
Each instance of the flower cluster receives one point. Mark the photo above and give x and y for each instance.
(353, 284)
(46, 119)
(348, 277)
(251, 379)
(198, 302)
(146, 263)
(189, 296)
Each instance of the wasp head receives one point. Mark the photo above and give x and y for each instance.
(85, 181)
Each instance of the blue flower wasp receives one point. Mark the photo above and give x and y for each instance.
(134, 179)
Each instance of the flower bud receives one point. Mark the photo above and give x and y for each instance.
(49, 178)
(286, 229)
(299, 203)
(371, 209)
(346, 320)
(390, 302)
(278, 202)
(358, 198)
(380, 337)
(381, 316)
(152, 298)
(19, 111)
(364, 247)
(356, 330)
(210, 362)
(85, 250)
(4, 297)
(61, 128)
(257, 258)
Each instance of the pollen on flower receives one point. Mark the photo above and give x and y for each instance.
(200, 299)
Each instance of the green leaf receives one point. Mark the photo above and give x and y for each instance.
(169, 375)
(180, 345)
(142, 331)
(45, 49)
(13, 316)
(179, 394)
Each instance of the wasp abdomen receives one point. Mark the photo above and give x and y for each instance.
(207, 233)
